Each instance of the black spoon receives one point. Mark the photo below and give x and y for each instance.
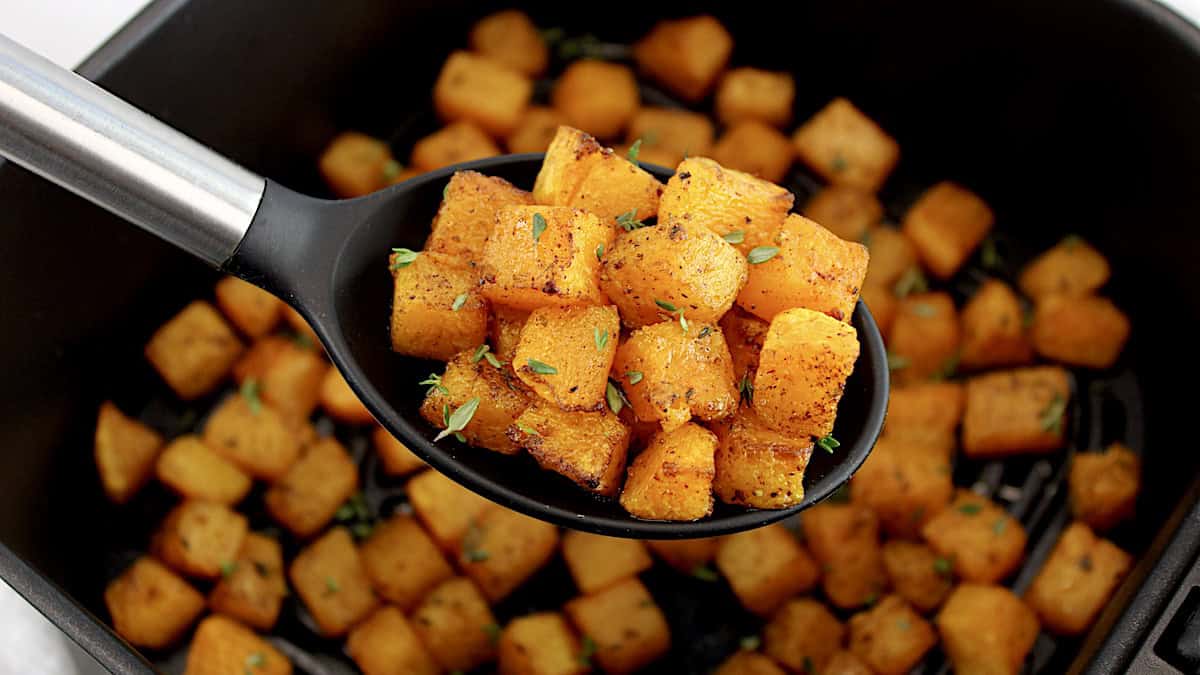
(328, 259)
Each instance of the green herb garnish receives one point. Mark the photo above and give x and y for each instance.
(808, 667)
(942, 566)
(970, 508)
(539, 226)
(601, 338)
(484, 351)
(735, 237)
(470, 544)
(403, 257)
(923, 310)
(912, 281)
(1071, 241)
(256, 660)
(459, 301)
(250, 392)
(998, 526)
(750, 643)
(705, 573)
(629, 221)
(588, 649)
(331, 586)
(600, 252)
(435, 382)
(634, 376)
(761, 254)
(948, 367)
(839, 163)
(746, 387)
(634, 149)
(1052, 416)
(829, 444)
(615, 397)
(897, 362)
(525, 428)
(541, 368)
(493, 632)
(391, 169)
(458, 420)
(666, 306)
(989, 255)
(228, 567)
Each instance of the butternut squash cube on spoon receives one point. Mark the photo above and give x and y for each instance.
(505, 331)
(587, 447)
(579, 172)
(478, 89)
(685, 55)
(846, 147)
(467, 215)
(565, 353)
(672, 478)
(437, 309)
(744, 335)
(744, 209)
(492, 396)
(759, 467)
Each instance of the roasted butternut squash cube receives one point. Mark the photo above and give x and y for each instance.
(125, 451)
(986, 629)
(437, 309)
(754, 94)
(536, 129)
(811, 268)
(685, 555)
(340, 402)
(501, 401)
(252, 589)
(847, 211)
(150, 605)
(444, 507)
(846, 663)
(587, 447)
(622, 621)
(540, 644)
(803, 636)
(454, 143)
(744, 335)
(916, 573)
(946, 224)
(765, 567)
(906, 483)
(194, 351)
(222, 645)
(252, 436)
(257, 360)
(726, 201)
(685, 55)
(926, 415)
(883, 305)
(926, 338)
(1077, 580)
(386, 644)
(456, 625)
(1073, 268)
(1016, 411)
(1088, 331)
(802, 369)
(984, 543)
(290, 379)
(306, 498)
(993, 329)
(598, 97)
(195, 471)
(675, 263)
(756, 148)
(355, 164)
(1104, 485)
(402, 561)
(596, 561)
(672, 478)
(578, 172)
(672, 132)
(394, 455)
(251, 309)
(844, 538)
(510, 38)
(503, 548)
(893, 258)
(506, 331)
(757, 466)
(684, 373)
(565, 353)
(846, 147)
(557, 268)
(890, 637)
(467, 215)
(199, 538)
(746, 662)
(483, 91)
(329, 577)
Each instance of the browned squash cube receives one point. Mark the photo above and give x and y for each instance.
(558, 267)
(597, 561)
(883, 304)
(125, 451)
(452, 144)
(257, 360)
(685, 55)
(746, 662)
(587, 447)
(925, 338)
(510, 38)
(803, 636)
(685, 555)
(290, 380)
(846, 147)
(1077, 580)
(682, 373)
(810, 267)
(355, 164)
(456, 625)
(1016, 411)
(192, 469)
(946, 224)
(222, 645)
(252, 589)
(565, 353)
(578, 172)
(437, 310)
(467, 215)
(445, 508)
(150, 605)
(340, 402)
(756, 148)
(983, 541)
(844, 538)
(536, 129)
(501, 401)
(1104, 485)
(905, 483)
(403, 562)
(622, 621)
(329, 577)
(986, 629)
(386, 644)
(482, 91)
(731, 203)
(199, 538)
(802, 369)
(394, 455)
(672, 132)
(253, 310)
(926, 414)
(993, 329)
(890, 637)
(917, 574)
(1072, 268)
(757, 466)
(1088, 331)
(540, 644)
(598, 97)
(765, 567)
(847, 211)
(846, 663)
(194, 351)
(893, 258)
(306, 498)
(503, 548)
(672, 478)
(744, 335)
(252, 436)
(676, 263)
(754, 94)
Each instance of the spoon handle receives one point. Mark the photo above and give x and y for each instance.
(73, 133)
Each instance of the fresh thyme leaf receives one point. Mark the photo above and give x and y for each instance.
(746, 387)
(553, 35)
(458, 420)
(391, 169)
(912, 281)
(705, 573)
(948, 367)
(629, 221)
(601, 337)
(1071, 241)
(666, 306)
(587, 650)
(989, 255)
(924, 310)
(761, 254)
(528, 430)
(479, 352)
(493, 632)
(942, 566)
(808, 667)
(446, 191)
(1052, 415)
(735, 237)
(361, 530)
(403, 257)
(970, 509)
(250, 392)
(539, 226)
(459, 301)
(897, 362)
(331, 586)
(541, 368)
(256, 660)
(470, 544)
(839, 163)
(491, 358)
(614, 397)
(634, 376)
(600, 252)
(998, 526)
(634, 150)
(829, 444)
(435, 382)
(228, 567)
(841, 495)
(871, 599)
(750, 643)
(683, 323)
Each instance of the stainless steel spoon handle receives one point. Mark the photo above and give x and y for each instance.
(70, 131)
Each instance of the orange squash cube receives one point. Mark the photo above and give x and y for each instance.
(622, 621)
(744, 335)
(844, 538)
(1104, 485)
(253, 310)
(150, 605)
(1088, 331)
(754, 94)
(536, 129)
(355, 164)
(596, 561)
(506, 331)
(598, 97)
(125, 451)
(503, 548)
(946, 224)
(194, 351)
(993, 329)
(916, 573)
(467, 215)
(893, 258)
(483, 91)
(501, 400)
(199, 538)
(195, 471)
(587, 447)
(756, 148)
(253, 588)
(396, 458)
(758, 467)
(890, 637)
(672, 132)
(925, 338)
(848, 212)
(386, 644)
(456, 625)
(328, 576)
(1073, 268)
(1077, 580)
(803, 636)
(765, 567)
(565, 353)
(672, 478)
(287, 376)
(883, 305)
(986, 629)
(437, 309)
(454, 143)
(846, 147)
(984, 543)
(444, 507)
(403, 562)
(685, 55)
(1016, 411)
(731, 203)
(926, 414)
(540, 644)
(510, 38)
(906, 483)
(744, 662)
(253, 436)
(578, 172)
(340, 402)
(306, 498)
(222, 645)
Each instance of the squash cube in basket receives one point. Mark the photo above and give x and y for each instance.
(1073, 267)
(150, 605)
(596, 561)
(893, 261)
(565, 353)
(1077, 580)
(340, 402)
(622, 621)
(386, 644)
(510, 38)
(890, 637)
(926, 414)
(437, 310)
(671, 132)
(452, 144)
(194, 351)
(946, 224)
(1087, 331)
(744, 335)
(672, 478)
(200, 538)
(467, 215)
(396, 458)
(993, 329)
(846, 211)
(444, 507)
(503, 548)
(222, 645)
(455, 625)
(306, 498)
(1104, 485)
(925, 338)
(125, 453)
(765, 567)
(883, 305)
(754, 94)
(540, 644)
(290, 377)
(480, 90)
(252, 436)
(917, 574)
(355, 164)
(252, 589)
(731, 203)
(192, 469)
(745, 662)
(756, 148)
(983, 541)
(403, 562)
(1016, 411)
(597, 96)
(685, 55)
(757, 466)
(685, 555)
(986, 629)
(844, 662)
(803, 636)
(844, 538)
(536, 130)
(501, 400)
(846, 147)
(905, 483)
(253, 310)
(587, 447)
(329, 577)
